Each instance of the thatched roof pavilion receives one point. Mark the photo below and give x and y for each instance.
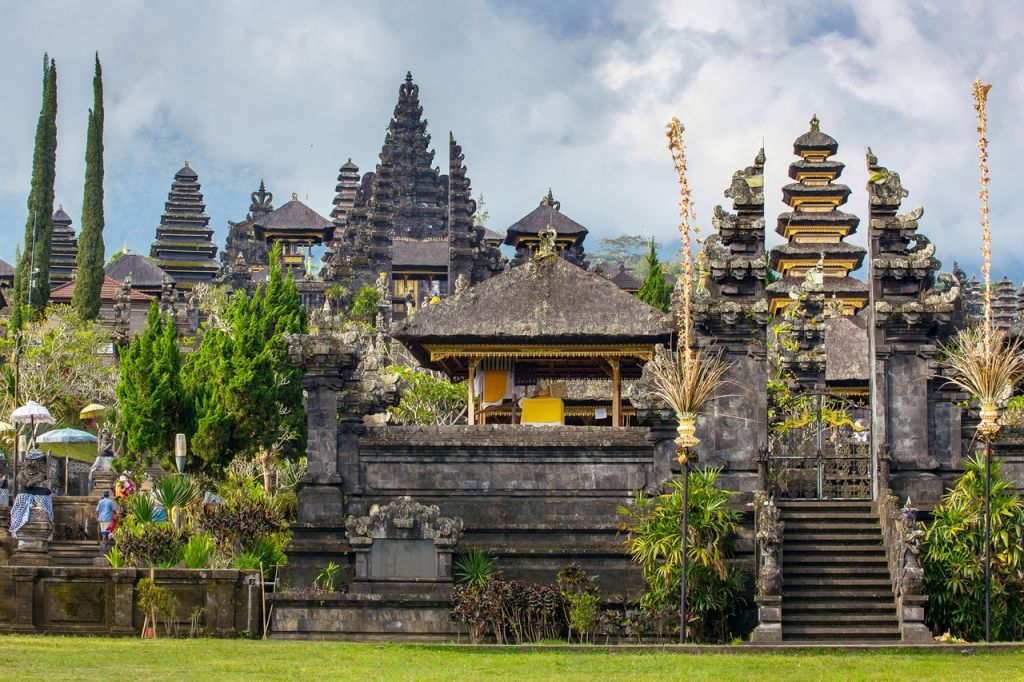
(548, 319)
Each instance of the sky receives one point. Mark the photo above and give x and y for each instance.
(573, 95)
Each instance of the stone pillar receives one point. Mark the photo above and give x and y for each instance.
(326, 360)
(34, 539)
(769, 617)
(24, 598)
(122, 619)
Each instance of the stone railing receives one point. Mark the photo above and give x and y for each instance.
(903, 538)
(768, 529)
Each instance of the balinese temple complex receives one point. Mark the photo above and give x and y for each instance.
(63, 249)
(297, 228)
(524, 234)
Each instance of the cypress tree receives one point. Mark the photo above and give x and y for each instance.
(39, 226)
(89, 278)
(654, 291)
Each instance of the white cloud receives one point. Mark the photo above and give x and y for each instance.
(574, 97)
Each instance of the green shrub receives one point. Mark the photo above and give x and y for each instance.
(325, 578)
(156, 602)
(714, 589)
(364, 305)
(199, 550)
(264, 551)
(474, 567)
(953, 558)
(148, 544)
(426, 399)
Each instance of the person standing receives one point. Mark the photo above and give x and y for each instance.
(105, 509)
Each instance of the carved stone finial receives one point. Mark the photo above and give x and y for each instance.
(815, 123)
(186, 165)
(760, 158)
(550, 201)
(295, 196)
(546, 248)
(461, 283)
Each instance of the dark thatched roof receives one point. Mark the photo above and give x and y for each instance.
(492, 236)
(815, 140)
(61, 217)
(186, 172)
(846, 349)
(295, 217)
(432, 253)
(807, 218)
(144, 271)
(6, 269)
(536, 220)
(544, 301)
(625, 278)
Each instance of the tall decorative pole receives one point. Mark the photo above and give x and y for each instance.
(687, 421)
(980, 100)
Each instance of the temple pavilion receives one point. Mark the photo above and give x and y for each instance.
(295, 226)
(519, 336)
(524, 234)
(146, 275)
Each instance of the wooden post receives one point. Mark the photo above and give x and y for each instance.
(471, 386)
(616, 391)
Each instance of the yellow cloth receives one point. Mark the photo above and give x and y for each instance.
(495, 386)
(543, 411)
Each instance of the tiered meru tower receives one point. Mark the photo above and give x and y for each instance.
(732, 312)
(184, 248)
(63, 249)
(815, 229)
(915, 419)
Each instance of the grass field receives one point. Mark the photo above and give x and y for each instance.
(58, 659)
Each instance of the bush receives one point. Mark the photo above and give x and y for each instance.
(147, 544)
(364, 305)
(953, 558)
(426, 399)
(714, 589)
(156, 602)
(474, 567)
(582, 599)
(199, 550)
(509, 610)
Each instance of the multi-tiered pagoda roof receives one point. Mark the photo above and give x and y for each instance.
(63, 249)
(524, 234)
(296, 227)
(184, 248)
(815, 228)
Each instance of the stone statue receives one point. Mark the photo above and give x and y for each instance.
(34, 481)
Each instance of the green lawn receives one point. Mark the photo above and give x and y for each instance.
(58, 659)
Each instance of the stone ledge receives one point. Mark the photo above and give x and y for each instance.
(507, 435)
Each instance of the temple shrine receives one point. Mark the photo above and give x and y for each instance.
(183, 247)
(63, 249)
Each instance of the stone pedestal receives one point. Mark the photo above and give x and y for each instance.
(912, 627)
(102, 479)
(34, 539)
(769, 615)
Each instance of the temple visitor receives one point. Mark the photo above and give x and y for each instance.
(105, 509)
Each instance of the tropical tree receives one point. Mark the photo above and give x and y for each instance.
(626, 248)
(32, 272)
(62, 365)
(152, 406)
(954, 551)
(245, 393)
(427, 399)
(655, 291)
(89, 277)
(653, 525)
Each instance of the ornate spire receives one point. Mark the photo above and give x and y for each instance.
(262, 202)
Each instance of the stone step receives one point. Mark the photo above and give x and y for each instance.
(806, 526)
(846, 592)
(823, 505)
(831, 548)
(820, 557)
(831, 517)
(845, 631)
(872, 536)
(849, 618)
(826, 607)
(831, 581)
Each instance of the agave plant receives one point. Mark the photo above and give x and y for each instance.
(986, 364)
(141, 507)
(174, 493)
(474, 567)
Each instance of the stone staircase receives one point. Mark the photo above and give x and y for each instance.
(75, 552)
(836, 585)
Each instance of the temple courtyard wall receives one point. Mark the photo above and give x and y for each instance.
(104, 601)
